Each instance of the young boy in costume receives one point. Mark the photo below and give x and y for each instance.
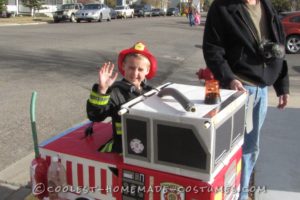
(136, 64)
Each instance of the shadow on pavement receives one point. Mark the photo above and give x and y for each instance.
(198, 46)
(13, 193)
(296, 68)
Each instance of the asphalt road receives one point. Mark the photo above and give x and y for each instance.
(60, 62)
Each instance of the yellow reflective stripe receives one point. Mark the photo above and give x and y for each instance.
(103, 149)
(118, 126)
(98, 103)
(239, 166)
(218, 196)
(97, 99)
(107, 147)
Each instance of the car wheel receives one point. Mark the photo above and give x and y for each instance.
(78, 20)
(100, 18)
(293, 44)
(72, 18)
(56, 20)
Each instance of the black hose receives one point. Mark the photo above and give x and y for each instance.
(184, 102)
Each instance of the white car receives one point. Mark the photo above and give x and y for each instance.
(124, 11)
(67, 12)
(93, 11)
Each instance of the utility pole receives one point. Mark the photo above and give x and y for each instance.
(180, 7)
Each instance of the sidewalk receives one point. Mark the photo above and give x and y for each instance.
(14, 180)
(277, 167)
(9, 192)
(15, 21)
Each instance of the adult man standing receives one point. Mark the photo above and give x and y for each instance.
(243, 46)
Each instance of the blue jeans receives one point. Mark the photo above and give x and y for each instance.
(191, 19)
(251, 139)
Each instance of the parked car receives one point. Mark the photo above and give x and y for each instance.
(291, 26)
(158, 12)
(162, 12)
(67, 12)
(113, 14)
(7, 13)
(155, 12)
(124, 11)
(142, 10)
(173, 12)
(93, 11)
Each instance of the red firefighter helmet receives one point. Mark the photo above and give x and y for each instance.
(139, 48)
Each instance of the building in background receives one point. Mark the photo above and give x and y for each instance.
(49, 6)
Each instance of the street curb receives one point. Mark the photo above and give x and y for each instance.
(17, 174)
(25, 24)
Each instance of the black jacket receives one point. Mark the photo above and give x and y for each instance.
(231, 49)
(119, 93)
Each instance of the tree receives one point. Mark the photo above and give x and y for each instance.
(2, 6)
(282, 5)
(295, 5)
(154, 3)
(85, 1)
(111, 3)
(183, 7)
(33, 5)
(206, 4)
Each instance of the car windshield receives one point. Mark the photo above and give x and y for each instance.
(156, 10)
(284, 14)
(92, 6)
(171, 9)
(67, 6)
(119, 7)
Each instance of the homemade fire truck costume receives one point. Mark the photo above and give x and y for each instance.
(175, 147)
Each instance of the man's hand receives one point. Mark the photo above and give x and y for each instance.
(237, 85)
(282, 101)
(106, 77)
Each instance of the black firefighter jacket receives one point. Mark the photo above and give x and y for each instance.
(101, 106)
(231, 48)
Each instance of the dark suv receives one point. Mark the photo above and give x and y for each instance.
(143, 10)
(173, 12)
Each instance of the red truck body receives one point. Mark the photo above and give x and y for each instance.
(95, 175)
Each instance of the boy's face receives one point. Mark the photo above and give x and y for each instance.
(135, 69)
